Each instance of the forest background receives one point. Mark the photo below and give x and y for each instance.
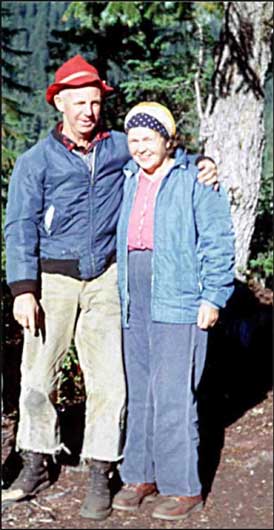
(164, 51)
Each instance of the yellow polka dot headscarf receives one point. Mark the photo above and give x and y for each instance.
(152, 115)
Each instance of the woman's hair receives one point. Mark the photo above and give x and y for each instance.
(175, 141)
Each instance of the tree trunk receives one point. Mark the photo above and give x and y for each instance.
(232, 127)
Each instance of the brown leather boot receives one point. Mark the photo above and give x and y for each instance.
(33, 477)
(97, 503)
(130, 497)
(176, 508)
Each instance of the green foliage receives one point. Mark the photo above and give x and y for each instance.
(12, 112)
(261, 268)
(31, 25)
(150, 50)
(144, 49)
(71, 383)
(127, 13)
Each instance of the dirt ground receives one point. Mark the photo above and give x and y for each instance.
(241, 495)
(236, 411)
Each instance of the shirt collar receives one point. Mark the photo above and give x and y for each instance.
(70, 144)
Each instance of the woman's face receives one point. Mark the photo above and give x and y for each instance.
(147, 147)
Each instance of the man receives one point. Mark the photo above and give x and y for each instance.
(63, 206)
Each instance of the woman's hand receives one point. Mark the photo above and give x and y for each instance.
(207, 316)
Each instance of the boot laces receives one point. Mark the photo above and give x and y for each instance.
(33, 465)
(99, 481)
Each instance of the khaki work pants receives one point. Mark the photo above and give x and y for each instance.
(89, 311)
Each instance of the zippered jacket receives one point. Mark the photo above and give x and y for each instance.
(62, 216)
(193, 248)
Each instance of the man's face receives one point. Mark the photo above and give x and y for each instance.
(81, 109)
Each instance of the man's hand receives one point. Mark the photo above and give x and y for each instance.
(26, 312)
(207, 316)
(208, 173)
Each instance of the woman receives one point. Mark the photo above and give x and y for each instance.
(175, 253)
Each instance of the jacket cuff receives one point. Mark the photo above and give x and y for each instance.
(24, 286)
(203, 301)
(203, 157)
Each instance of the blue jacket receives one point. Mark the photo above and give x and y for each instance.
(193, 255)
(61, 214)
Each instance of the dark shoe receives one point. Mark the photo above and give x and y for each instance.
(176, 508)
(97, 503)
(33, 477)
(131, 496)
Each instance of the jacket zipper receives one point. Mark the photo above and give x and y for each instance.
(93, 165)
(92, 182)
(154, 232)
(126, 258)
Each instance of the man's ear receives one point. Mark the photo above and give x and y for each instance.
(59, 102)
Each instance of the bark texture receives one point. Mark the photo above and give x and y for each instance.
(232, 126)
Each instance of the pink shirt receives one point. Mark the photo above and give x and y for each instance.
(140, 230)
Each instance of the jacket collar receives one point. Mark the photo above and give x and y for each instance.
(100, 134)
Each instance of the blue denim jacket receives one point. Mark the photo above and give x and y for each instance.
(193, 255)
(60, 210)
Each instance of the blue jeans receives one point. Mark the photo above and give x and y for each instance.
(164, 364)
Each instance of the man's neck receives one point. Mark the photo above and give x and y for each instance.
(79, 140)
